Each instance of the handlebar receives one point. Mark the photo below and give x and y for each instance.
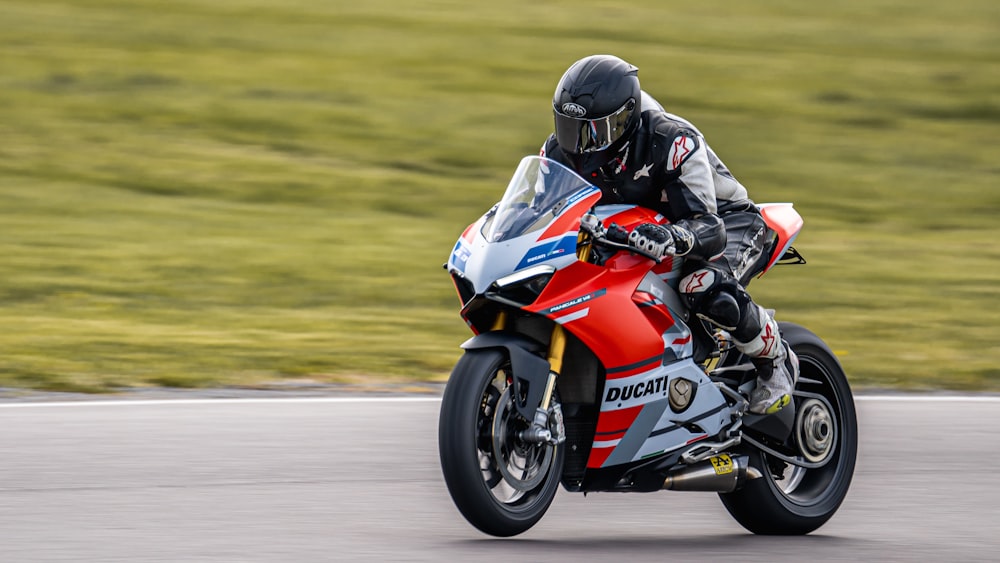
(602, 240)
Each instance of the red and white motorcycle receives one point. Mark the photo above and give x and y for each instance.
(587, 370)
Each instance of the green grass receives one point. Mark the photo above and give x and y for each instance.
(237, 192)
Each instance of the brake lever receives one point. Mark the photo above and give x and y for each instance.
(603, 241)
(592, 225)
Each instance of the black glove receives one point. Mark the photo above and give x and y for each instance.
(661, 240)
(683, 239)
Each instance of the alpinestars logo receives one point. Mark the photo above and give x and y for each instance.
(644, 171)
(696, 282)
(768, 339)
(680, 150)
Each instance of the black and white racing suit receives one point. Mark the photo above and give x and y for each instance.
(667, 166)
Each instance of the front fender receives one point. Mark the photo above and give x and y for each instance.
(531, 371)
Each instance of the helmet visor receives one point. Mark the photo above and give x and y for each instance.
(581, 135)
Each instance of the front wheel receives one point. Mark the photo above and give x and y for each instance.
(790, 499)
(501, 484)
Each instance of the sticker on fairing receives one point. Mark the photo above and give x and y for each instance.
(591, 190)
(548, 250)
(574, 302)
(460, 256)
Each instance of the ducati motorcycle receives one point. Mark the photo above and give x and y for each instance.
(587, 370)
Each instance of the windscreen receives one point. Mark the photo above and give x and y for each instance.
(538, 192)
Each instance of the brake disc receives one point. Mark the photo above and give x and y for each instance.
(523, 465)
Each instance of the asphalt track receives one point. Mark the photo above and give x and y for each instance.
(357, 479)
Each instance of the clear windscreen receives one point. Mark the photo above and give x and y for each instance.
(538, 192)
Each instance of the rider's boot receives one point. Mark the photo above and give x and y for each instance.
(777, 367)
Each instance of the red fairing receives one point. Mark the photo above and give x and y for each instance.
(600, 305)
(595, 304)
(468, 233)
(786, 224)
(624, 326)
(635, 216)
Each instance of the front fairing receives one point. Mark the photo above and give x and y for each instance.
(535, 223)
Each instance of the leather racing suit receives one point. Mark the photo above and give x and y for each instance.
(668, 166)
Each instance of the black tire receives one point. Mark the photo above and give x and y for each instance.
(478, 446)
(797, 500)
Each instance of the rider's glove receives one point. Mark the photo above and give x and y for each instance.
(661, 240)
(683, 239)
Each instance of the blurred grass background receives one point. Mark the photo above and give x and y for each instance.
(247, 191)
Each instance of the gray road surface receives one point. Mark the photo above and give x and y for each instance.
(344, 479)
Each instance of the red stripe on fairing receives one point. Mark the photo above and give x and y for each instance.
(698, 439)
(569, 221)
(598, 456)
(615, 422)
(465, 234)
(683, 340)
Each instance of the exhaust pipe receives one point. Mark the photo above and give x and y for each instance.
(717, 474)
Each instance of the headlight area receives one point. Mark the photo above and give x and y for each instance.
(522, 288)
(464, 288)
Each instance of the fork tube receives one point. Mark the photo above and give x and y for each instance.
(556, 348)
(500, 321)
(583, 243)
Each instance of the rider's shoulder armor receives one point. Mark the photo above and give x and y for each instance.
(656, 153)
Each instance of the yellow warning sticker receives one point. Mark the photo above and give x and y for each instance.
(723, 464)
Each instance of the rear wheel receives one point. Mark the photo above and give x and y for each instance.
(791, 499)
(501, 484)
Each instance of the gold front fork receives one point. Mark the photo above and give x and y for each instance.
(539, 432)
(583, 243)
(556, 349)
(500, 322)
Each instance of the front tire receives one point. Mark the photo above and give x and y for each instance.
(789, 499)
(502, 485)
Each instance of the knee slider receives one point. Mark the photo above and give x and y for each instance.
(714, 296)
(722, 309)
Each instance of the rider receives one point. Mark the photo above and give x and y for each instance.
(622, 140)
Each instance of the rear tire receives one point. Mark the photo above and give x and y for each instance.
(502, 485)
(791, 500)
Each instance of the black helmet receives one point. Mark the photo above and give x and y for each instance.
(597, 109)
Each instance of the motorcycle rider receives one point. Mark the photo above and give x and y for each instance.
(621, 139)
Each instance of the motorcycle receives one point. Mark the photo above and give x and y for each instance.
(587, 370)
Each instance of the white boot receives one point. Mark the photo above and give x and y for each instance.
(775, 381)
(777, 368)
